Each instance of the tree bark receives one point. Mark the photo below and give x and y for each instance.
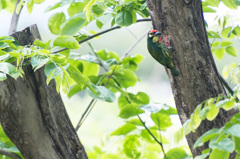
(182, 21)
(33, 115)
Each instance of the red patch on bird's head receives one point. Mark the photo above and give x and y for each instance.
(154, 31)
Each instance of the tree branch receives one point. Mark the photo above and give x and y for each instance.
(15, 18)
(100, 33)
(9, 154)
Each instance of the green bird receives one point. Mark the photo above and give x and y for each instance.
(161, 51)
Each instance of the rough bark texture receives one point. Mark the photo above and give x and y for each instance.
(33, 115)
(182, 21)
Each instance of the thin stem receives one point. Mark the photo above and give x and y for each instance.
(134, 45)
(151, 134)
(226, 85)
(100, 33)
(9, 154)
(130, 31)
(83, 115)
(15, 18)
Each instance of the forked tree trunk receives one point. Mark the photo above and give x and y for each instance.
(182, 21)
(33, 115)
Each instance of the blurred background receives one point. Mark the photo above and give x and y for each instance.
(153, 78)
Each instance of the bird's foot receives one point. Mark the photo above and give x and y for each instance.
(167, 42)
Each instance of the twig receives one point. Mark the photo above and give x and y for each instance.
(9, 154)
(151, 134)
(100, 33)
(226, 85)
(15, 18)
(83, 115)
(130, 49)
(100, 61)
(91, 104)
(130, 31)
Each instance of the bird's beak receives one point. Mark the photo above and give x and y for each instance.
(157, 33)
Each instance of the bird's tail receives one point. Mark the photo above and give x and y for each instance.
(175, 72)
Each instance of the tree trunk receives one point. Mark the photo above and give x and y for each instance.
(33, 115)
(182, 21)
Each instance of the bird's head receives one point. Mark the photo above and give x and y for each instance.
(154, 35)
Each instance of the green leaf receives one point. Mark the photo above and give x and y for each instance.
(44, 45)
(126, 77)
(225, 144)
(129, 110)
(76, 75)
(163, 108)
(207, 9)
(213, 34)
(123, 130)
(233, 130)
(231, 50)
(227, 33)
(161, 121)
(3, 76)
(215, 44)
(106, 55)
(73, 25)
(86, 68)
(195, 118)
(213, 3)
(75, 89)
(124, 18)
(132, 146)
(226, 43)
(135, 121)
(237, 144)
(219, 53)
(236, 31)
(66, 41)
(97, 10)
(55, 21)
(131, 62)
(75, 8)
(88, 10)
(99, 24)
(38, 1)
(140, 98)
(237, 2)
(3, 45)
(230, 4)
(238, 156)
(206, 137)
(218, 154)
(176, 153)
(57, 5)
(51, 71)
(104, 94)
(9, 69)
(30, 6)
(37, 61)
(212, 114)
(205, 154)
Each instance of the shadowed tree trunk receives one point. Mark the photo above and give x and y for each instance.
(182, 21)
(33, 115)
